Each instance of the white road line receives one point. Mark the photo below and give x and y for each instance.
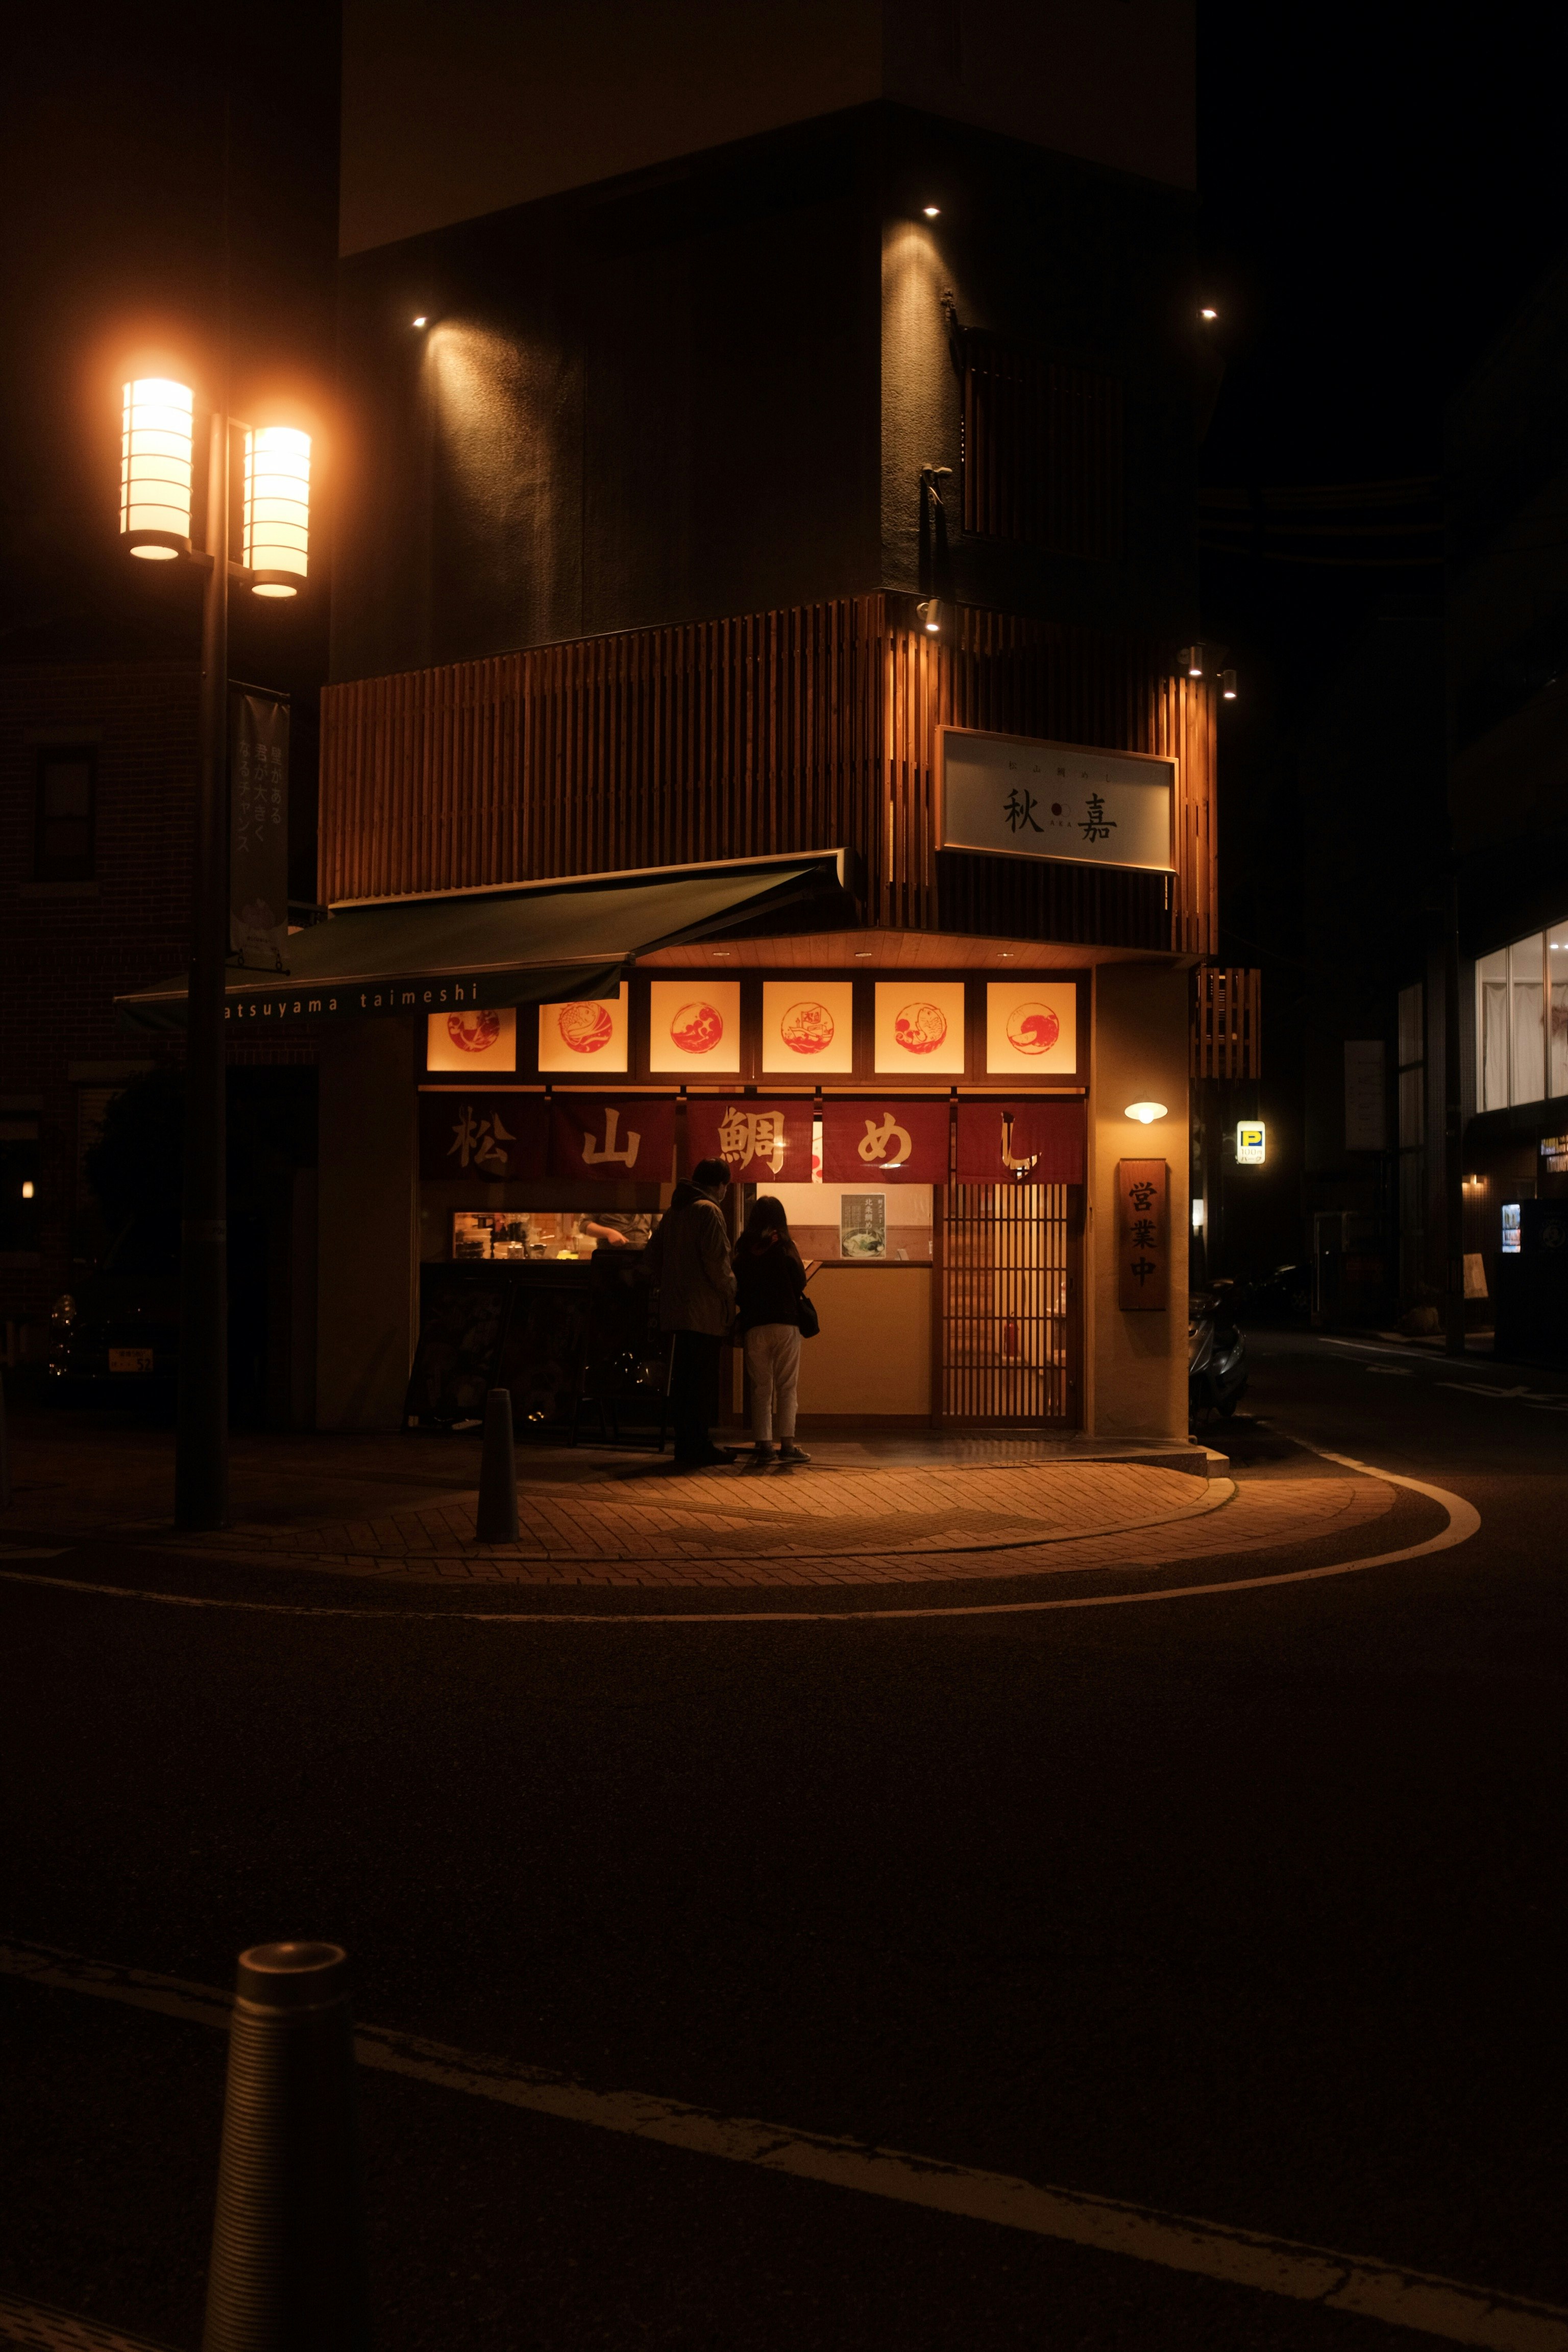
(1463, 1521)
(1474, 1383)
(1386, 2290)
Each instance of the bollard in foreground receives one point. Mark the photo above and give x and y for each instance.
(496, 1520)
(288, 2260)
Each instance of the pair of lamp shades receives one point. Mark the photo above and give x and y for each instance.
(155, 453)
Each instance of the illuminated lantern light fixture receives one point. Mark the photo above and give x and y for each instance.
(1227, 684)
(930, 616)
(277, 509)
(1145, 1113)
(1191, 658)
(155, 469)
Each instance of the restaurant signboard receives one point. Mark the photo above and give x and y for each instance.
(1018, 796)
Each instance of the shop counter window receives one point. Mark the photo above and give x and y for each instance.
(536, 1234)
(856, 1224)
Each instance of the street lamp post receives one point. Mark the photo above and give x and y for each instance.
(156, 460)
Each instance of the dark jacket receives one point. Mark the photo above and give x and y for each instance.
(689, 1257)
(769, 1282)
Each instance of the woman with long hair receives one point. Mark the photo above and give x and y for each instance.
(770, 1282)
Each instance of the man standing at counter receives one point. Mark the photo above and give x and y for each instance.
(689, 1257)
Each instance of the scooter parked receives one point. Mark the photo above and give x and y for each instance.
(1217, 1355)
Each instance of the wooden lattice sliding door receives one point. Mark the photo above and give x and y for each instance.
(1007, 1305)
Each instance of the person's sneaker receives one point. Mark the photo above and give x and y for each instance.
(790, 1452)
(761, 1454)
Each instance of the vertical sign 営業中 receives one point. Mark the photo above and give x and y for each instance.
(1142, 1234)
(258, 832)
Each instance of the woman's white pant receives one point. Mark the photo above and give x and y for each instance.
(772, 1359)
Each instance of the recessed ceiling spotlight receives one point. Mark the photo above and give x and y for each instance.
(931, 211)
(422, 320)
(1208, 314)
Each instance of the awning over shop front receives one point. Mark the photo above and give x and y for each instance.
(532, 944)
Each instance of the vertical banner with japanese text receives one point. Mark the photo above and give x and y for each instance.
(1021, 1143)
(1142, 1234)
(496, 1138)
(758, 1139)
(258, 831)
(630, 1138)
(908, 1139)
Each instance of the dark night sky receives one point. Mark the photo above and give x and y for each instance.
(1381, 186)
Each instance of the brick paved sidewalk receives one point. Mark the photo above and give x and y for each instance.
(868, 1527)
(961, 1509)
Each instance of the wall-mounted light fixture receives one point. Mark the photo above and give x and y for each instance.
(1227, 685)
(929, 612)
(1197, 1213)
(27, 1188)
(155, 429)
(1145, 1113)
(1191, 658)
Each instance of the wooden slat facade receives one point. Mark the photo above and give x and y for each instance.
(810, 728)
(1043, 460)
(1227, 1021)
(1007, 1345)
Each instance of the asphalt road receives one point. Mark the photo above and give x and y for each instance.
(1246, 1907)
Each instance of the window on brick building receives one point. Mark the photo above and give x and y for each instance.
(63, 830)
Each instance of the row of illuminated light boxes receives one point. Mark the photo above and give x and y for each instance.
(694, 1027)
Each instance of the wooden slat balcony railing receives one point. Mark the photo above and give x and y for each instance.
(808, 729)
(1227, 1023)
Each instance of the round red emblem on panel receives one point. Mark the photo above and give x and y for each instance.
(806, 1027)
(1033, 1029)
(473, 1033)
(696, 1027)
(585, 1027)
(921, 1028)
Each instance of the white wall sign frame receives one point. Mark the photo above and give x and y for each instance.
(1020, 796)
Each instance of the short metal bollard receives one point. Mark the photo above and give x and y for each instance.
(496, 1519)
(288, 2262)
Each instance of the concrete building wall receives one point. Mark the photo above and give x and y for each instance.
(453, 112)
(712, 391)
(368, 1208)
(638, 406)
(1136, 1364)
